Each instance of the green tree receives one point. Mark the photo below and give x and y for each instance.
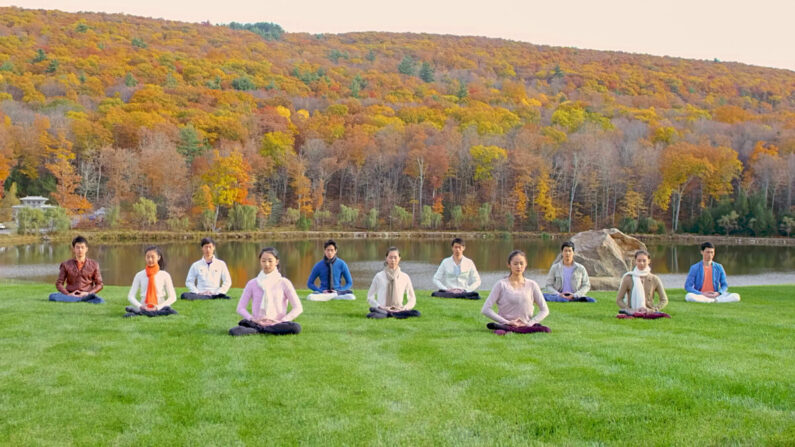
(113, 217)
(242, 217)
(207, 220)
(266, 30)
(407, 66)
(189, 143)
(30, 221)
(57, 220)
(243, 83)
(787, 225)
(129, 80)
(348, 216)
(456, 217)
(357, 84)
(40, 56)
(426, 72)
(53, 67)
(9, 200)
(145, 212)
(400, 217)
(484, 215)
(728, 222)
(372, 219)
(138, 42)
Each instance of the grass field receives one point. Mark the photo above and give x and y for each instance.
(712, 375)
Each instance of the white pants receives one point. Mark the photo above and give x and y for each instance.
(724, 298)
(329, 296)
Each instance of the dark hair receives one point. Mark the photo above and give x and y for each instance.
(707, 245)
(162, 261)
(273, 252)
(567, 244)
(208, 240)
(516, 253)
(458, 241)
(642, 252)
(330, 242)
(79, 240)
(390, 250)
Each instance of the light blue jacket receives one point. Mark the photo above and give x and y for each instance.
(695, 278)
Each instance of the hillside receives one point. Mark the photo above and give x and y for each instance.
(99, 110)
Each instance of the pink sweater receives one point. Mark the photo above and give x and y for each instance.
(515, 303)
(280, 294)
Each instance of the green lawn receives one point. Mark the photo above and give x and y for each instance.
(81, 374)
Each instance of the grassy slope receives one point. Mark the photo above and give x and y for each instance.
(81, 374)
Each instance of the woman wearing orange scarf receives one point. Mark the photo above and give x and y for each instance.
(156, 288)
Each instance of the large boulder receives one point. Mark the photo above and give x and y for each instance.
(606, 255)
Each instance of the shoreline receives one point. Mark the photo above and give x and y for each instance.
(289, 234)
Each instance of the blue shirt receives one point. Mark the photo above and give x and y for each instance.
(695, 278)
(339, 270)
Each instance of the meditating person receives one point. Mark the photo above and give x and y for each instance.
(155, 287)
(331, 270)
(457, 276)
(388, 288)
(636, 292)
(706, 280)
(567, 280)
(269, 294)
(208, 278)
(79, 279)
(514, 297)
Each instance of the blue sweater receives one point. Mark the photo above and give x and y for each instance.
(339, 271)
(695, 278)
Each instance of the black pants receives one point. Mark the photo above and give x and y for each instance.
(199, 296)
(538, 327)
(134, 311)
(464, 295)
(248, 327)
(401, 314)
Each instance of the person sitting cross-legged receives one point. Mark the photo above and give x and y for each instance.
(155, 287)
(706, 280)
(269, 294)
(636, 293)
(514, 297)
(331, 270)
(568, 280)
(208, 278)
(386, 292)
(79, 279)
(457, 276)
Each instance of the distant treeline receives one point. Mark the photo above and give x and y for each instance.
(164, 124)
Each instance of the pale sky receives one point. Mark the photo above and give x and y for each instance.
(759, 32)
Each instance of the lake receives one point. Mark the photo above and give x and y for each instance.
(745, 265)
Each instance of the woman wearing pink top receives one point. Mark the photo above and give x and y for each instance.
(269, 294)
(514, 297)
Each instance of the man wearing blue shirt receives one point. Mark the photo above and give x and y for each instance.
(706, 281)
(331, 271)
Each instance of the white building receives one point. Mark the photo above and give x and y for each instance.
(31, 202)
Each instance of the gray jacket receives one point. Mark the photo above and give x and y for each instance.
(579, 279)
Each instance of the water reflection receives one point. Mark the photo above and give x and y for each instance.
(120, 262)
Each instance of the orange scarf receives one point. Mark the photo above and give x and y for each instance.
(151, 290)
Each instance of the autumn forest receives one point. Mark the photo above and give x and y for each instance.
(182, 126)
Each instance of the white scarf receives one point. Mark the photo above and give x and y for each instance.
(637, 299)
(266, 281)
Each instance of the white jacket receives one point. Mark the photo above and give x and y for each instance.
(214, 279)
(446, 277)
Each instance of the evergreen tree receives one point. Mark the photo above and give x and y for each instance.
(407, 66)
(426, 72)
